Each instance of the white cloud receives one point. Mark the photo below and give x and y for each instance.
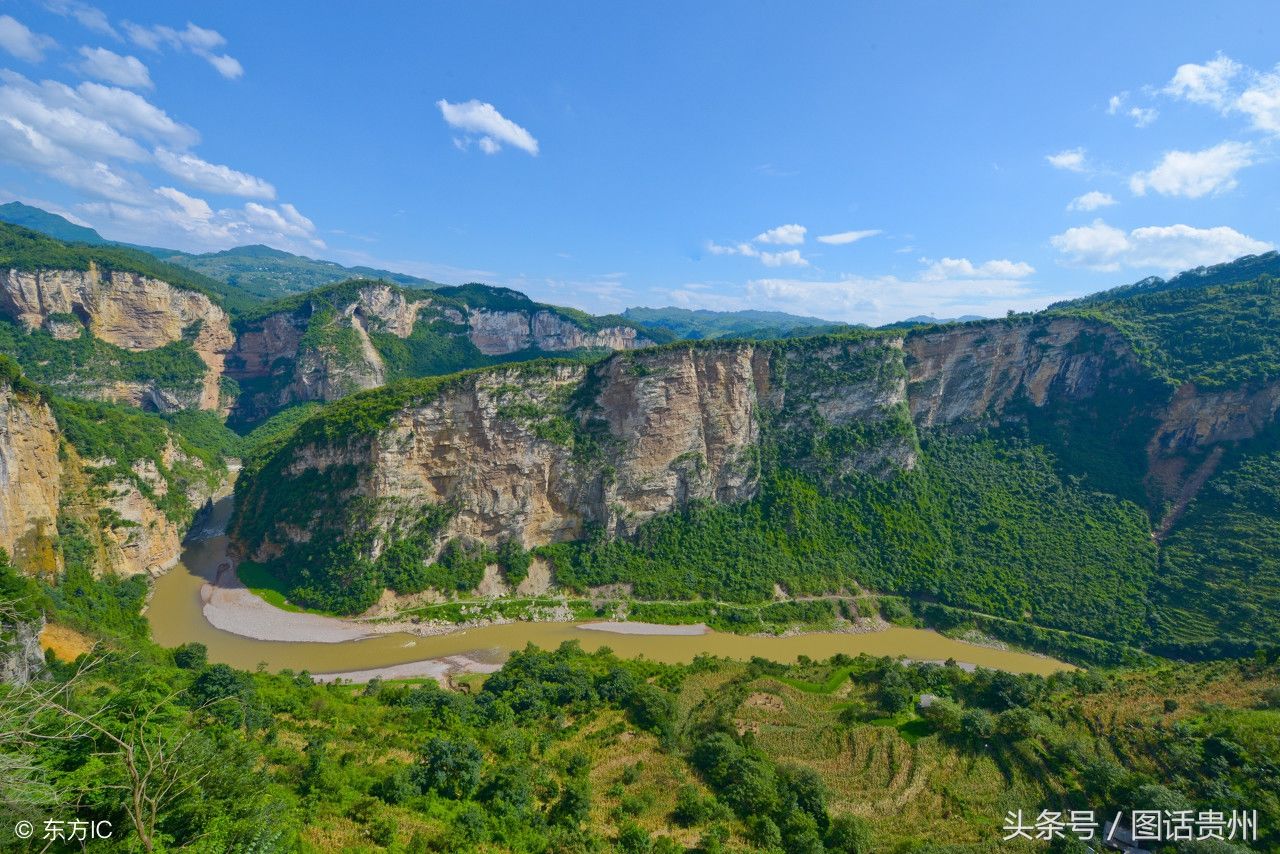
(1142, 116)
(844, 237)
(963, 268)
(213, 177)
(22, 42)
(112, 67)
(89, 17)
(484, 120)
(1072, 160)
(57, 112)
(200, 41)
(1167, 248)
(948, 288)
(790, 258)
(27, 146)
(1209, 83)
(225, 64)
(783, 235)
(285, 220)
(1091, 201)
(1261, 102)
(1229, 87)
(191, 207)
(1196, 173)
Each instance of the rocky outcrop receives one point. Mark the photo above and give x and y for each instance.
(322, 349)
(974, 371)
(29, 480)
(501, 333)
(541, 453)
(129, 310)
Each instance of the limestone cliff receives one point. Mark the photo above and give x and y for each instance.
(119, 510)
(500, 333)
(29, 479)
(129, 310)
(542, 454)
(973, 372)
(331, 343)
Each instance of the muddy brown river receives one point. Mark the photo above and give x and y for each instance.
(176, 613)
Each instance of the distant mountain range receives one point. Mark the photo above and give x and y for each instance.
(257, 270)
(706, 324)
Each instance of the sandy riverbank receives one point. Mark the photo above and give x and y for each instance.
(646, 628)
(439, 669)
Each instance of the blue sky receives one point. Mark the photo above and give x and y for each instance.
(861, 162)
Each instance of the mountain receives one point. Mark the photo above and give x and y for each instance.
(267, 273)
(699, 324)
(1241, 269)
(254, 271)
(930, 320)
(51, 224)
(114, 324)
(1036, 468)
(356, 335)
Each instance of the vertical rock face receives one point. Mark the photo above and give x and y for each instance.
(29, 480)
(973, 372)
(125, 309)
(500, 333)
(541, 453)
(299, 361)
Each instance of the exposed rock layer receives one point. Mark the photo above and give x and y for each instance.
(128, 310)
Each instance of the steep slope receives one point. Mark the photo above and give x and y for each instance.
(102, 323)
(357, 335)
(1016, 467)
(29, 471)
(271, 273)
(91, 478)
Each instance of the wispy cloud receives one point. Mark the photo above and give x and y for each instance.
(89, 17)
(783, 235)
(201, 41)
(845, 237)
(489, 127)
(1072, 160)
(103, 64)
(20, 41)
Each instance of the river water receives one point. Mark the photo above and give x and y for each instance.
(177, 616)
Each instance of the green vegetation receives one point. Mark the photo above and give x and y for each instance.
(982, 523)
(567, 751)
(264, 272)
(115, 439)
(57, 227)
(82, 366)
(706, 324)
(24, 249)
(1219, 578)
(1214, 336)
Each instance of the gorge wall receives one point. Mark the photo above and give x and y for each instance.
(547, 454)
(128, 310)
(324, 348)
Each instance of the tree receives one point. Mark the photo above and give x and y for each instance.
(191, 656)
(849, 834)
(448, 766)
